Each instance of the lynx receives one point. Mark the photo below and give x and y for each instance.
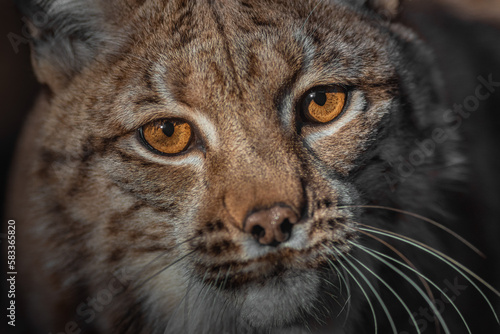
(246, 166)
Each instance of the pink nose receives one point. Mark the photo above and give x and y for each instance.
(271, 226)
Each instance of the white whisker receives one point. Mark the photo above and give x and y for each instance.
(421, 292)
(443, 257)
(428, 220)
(372, 288)
(391, 290)
(362, 291)
(372, 252)
(310, 13)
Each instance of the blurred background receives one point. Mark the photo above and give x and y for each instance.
(18, 88)
(18, 85)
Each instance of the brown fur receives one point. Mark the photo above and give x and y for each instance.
(93, 201)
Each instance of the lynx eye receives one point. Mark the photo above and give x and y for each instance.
(324, 104)
(167, 136)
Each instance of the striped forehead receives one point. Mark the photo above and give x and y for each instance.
(210, 73)
(230, 76)
(209, 85)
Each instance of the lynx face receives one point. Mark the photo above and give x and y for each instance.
(218, 152)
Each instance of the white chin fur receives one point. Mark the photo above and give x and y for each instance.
(255, 308)
(280, 301)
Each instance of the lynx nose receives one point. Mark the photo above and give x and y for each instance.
(272, 226)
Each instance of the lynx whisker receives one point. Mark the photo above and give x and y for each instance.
(372, 288)
(420, 217)
(316, 313)
(165, 253)
(444, 258)
(187, 308)
(390, 289)
(362, 291)
(163, 269)
(342, 281)
(334, 297)
(195, 302)
(137, 287)
(419, 290)
(410, 264)
(227, 277)
(216, 292)
(310, 13)
(347, 303)
(374, 253)
(320, 316)
(225, 301)
(208, 289)
(216, 287)
(204, 289)
(184, 301)
(345, 277)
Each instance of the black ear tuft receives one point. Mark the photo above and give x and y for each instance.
(66, 36)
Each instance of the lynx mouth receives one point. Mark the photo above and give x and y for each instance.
(271, 267)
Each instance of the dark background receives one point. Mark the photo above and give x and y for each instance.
(18, 86)
(18, 89)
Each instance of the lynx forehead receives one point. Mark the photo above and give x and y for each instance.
(225, 155)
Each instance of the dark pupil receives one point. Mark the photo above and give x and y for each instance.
(320, 98)
(168, 128)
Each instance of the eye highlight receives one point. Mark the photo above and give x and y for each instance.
(323, 104)
(167, 136)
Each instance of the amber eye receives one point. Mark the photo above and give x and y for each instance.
(324, 104)
(167, 136)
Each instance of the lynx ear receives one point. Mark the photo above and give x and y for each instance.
(66, 36)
